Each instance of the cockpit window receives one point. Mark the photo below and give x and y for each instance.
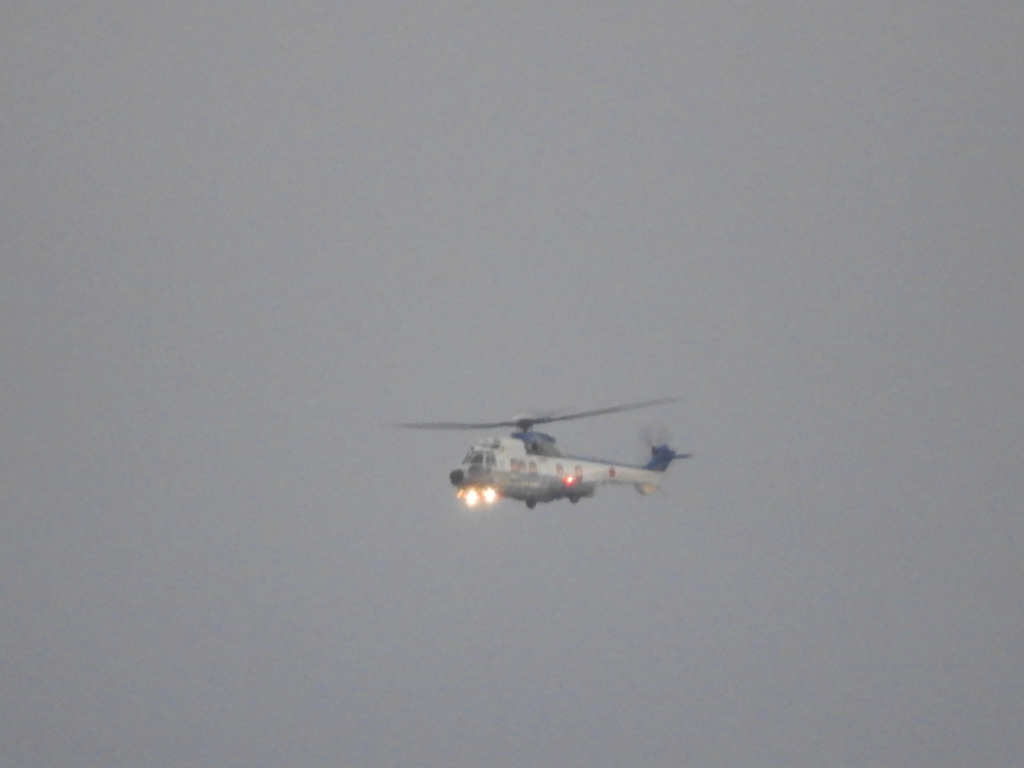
(474, 457)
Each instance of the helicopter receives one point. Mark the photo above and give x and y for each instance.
(527, 467)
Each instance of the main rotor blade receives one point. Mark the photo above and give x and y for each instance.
(455, 425)
(603, 411)
(526, 423)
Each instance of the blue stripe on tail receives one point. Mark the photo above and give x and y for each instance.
(662, 456)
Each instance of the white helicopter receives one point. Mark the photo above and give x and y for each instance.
(526, 465)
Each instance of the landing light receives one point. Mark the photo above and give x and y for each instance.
(569, 480)
(473, 496)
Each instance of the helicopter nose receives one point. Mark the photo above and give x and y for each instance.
(456, 476)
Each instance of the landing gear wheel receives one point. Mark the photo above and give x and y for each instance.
(531, 503)
(574, 498)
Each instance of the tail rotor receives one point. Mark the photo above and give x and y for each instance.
(654, 436)
(657, 439)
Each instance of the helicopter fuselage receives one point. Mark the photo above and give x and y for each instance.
(527, 467)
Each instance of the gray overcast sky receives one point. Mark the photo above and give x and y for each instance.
(237, 237)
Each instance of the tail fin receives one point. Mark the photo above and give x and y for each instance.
(662, 456)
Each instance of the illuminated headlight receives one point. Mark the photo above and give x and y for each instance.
(473, 496)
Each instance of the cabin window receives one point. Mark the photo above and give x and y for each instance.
(533, 467)
(559, 470)
(579, 472)
(489, 459)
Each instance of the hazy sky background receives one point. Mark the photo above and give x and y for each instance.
(239, 236)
